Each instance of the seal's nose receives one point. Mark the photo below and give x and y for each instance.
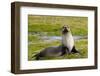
(65, 27)
(65, 30)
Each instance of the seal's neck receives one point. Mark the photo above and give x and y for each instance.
(67, 39)
(67, 35)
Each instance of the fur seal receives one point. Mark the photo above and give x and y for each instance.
(67, 46)
(68, 40)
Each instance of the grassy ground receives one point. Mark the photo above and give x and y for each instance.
(50, 26)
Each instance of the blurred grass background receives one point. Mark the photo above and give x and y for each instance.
(51, 26)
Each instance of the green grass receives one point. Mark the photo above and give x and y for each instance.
(81, 46)
(51, 26)
(37, 47)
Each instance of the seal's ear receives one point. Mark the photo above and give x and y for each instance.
(67, 26)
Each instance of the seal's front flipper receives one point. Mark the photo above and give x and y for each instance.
(74, 50)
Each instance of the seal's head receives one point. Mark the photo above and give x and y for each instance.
(65, 29)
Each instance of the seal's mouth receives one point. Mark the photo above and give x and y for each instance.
(65, 30)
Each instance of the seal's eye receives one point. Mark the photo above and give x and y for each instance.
(65, 27)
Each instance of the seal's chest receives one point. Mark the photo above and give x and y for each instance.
(68, 41)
